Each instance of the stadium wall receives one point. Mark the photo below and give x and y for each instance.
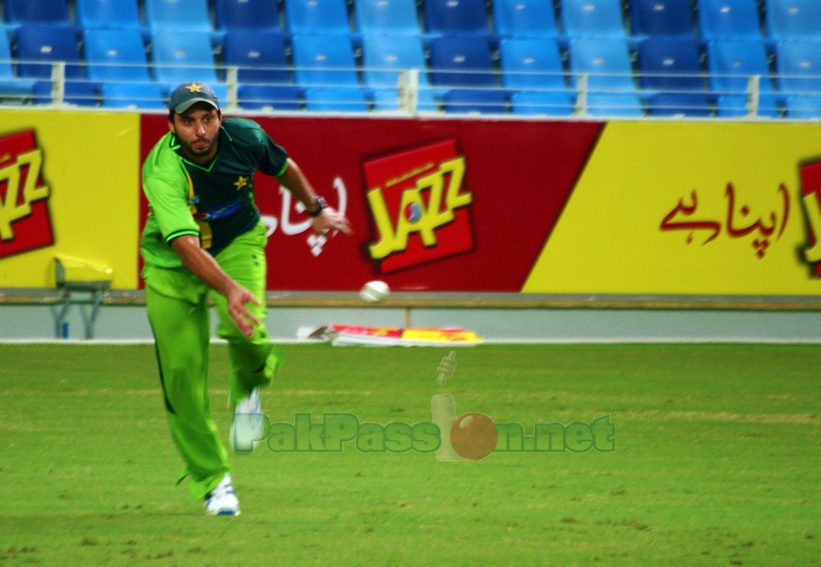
(539, 229)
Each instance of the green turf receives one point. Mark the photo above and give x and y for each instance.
(716, 462)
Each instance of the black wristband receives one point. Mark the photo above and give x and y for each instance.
(322, 205)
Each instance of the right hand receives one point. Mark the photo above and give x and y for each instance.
(238, 297)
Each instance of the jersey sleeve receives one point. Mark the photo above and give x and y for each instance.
(273, 159)
(166, 187)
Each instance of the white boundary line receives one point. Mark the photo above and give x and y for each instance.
(557, 341)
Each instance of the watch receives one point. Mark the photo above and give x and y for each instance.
(323, 204)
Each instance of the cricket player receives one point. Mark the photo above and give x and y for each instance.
(203, 238)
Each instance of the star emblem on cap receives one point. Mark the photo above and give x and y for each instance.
(194, 88)
(241, 182)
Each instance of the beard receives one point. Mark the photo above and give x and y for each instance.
(204, 146)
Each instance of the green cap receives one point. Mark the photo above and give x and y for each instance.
(186, 95)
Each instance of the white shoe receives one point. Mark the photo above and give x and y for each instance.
(248, 424)
(222, 501)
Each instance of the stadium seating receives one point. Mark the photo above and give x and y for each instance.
(260, 56)
(262, 15)
(115, 55)
(183, 57)
(465, 101)
(182, 15)
(593, 18)
(108, 14)
(731, 64)
(36, 12)
(524, 18)
(384, 56)
(729, 19)
(11, 87)
(38, 47)
(317, 17)
(323, 61)
(456, 17)
(607, 61)
(541, 103)
(335, 99)
(611, 89)
(799, 77)
(395, 17)
(671, 18)
(672, 68)
(793, 19)
(79, 93)
(269, 97)
(461, 61)
(132, 95)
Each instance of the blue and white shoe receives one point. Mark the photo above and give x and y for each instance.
(248, 424)
(222, 501)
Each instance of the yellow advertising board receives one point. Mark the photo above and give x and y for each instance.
(69, 186)
(686, 208)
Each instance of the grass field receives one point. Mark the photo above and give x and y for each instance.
(716, 463)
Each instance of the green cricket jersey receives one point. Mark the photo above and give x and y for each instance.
(215, 201)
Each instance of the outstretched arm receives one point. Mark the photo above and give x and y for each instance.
(329, 219)
(206, 268)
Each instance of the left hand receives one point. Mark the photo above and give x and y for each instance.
(331, 219)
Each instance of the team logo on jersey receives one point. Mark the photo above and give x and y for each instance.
(25, 223)
(420, 206)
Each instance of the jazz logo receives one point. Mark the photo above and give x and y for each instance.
(25, 223)
(420, 206)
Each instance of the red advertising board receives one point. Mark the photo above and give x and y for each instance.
(436, 204)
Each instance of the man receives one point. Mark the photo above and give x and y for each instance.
(203, 237)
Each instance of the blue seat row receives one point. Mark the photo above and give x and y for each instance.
(715, 19)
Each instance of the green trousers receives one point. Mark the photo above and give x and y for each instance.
(178, 310)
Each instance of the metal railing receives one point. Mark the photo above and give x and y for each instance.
(417, 91)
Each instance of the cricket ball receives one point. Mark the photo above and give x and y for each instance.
(474, 436)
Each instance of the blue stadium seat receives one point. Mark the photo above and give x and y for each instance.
(673, 68)
(387, 100)
(12, 87)
(132, 95)
(799, 77)
(793, 19)
(549, 103)
(183, 57)
(41, 46)
(335, 99)
(383, 56)
(260, 15)
(80, 93)
(729, 19)
(531, 64)
(731, 64)
(317, 16)
(662, 18)
(115, 55)
(593, 18)
(395, 17)
(269, 97)
(260, 56)
(605, 61)
(324, 61)
(482, 101)
(461, 61)
(40, 12)
(614, 104)
(182, 15)
(108, 14)
(456, 17)
(524, 18)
